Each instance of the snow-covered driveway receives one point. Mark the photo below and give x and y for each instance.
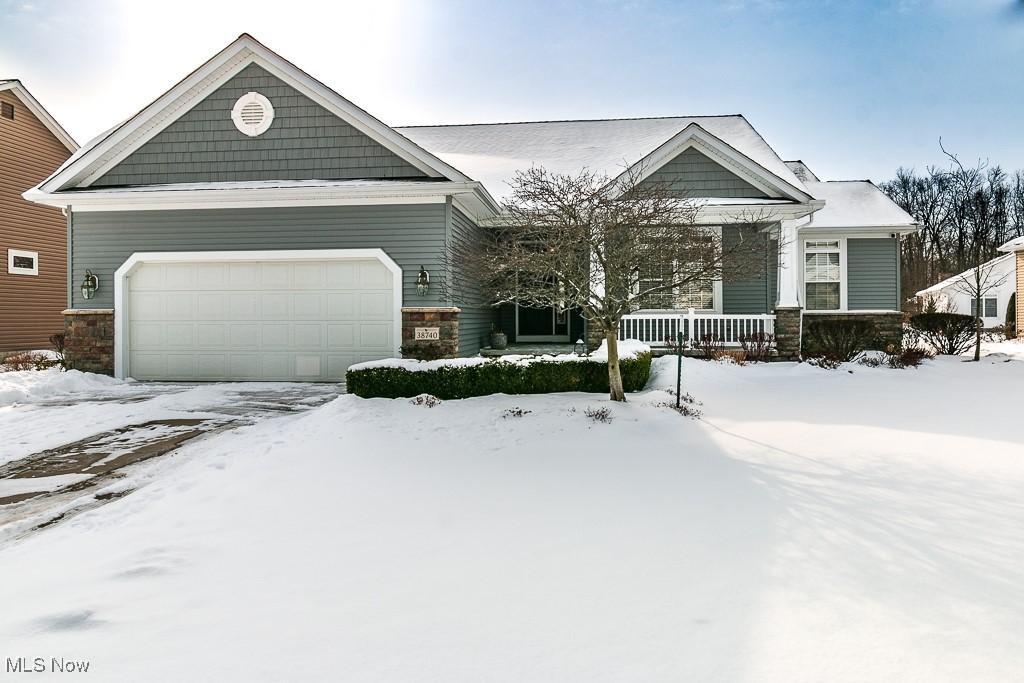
(71, 441)
(814, 526)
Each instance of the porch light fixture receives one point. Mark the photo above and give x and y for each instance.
(580, 347)
(90, 283)
(423, 282)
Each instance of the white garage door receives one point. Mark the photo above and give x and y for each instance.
(258, 320)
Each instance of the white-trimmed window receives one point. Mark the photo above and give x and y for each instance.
(989, 308)
(22, 262)
(698, 294)
(822, 271)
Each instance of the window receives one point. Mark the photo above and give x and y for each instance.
(698, 293)
(22, 262)
(989, 305)
(7, 110)
(821, 275)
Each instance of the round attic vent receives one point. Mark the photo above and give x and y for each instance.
(252, 114)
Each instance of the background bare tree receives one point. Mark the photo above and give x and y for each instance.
(976, 284)
(965, 212)
(598, 245)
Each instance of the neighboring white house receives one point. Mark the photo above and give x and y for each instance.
(954, 294)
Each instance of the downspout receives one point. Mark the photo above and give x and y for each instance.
(66, 210)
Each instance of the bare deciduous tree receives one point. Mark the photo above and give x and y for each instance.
(976, 284)
(597, 245)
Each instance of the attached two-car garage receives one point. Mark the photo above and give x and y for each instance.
(265, 316)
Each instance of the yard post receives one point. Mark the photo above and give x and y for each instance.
(679, 365)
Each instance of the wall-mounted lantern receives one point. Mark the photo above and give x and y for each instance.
(90, 283)
(580, 347)
(423, 282)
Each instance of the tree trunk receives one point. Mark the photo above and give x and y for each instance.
(977, 333)
(616, 392)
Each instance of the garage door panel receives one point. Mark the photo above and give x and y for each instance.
(374, 305)
(258, 320)
(276, 306)
(211, 365)
(308, 337)
(211, 275)
(308, 306)
(244, 306)
(276, 276)
(179, 335)
(179, 276)
(342, 275)
(375, 336)
(244, 336)
(275, 336)
(211, 335)
(211, 306)
(244, 275)
(181, 365)
(179, 306)
(309, 276)
(373, 274)
(146, 335)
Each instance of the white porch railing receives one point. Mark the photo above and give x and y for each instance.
(656, 329)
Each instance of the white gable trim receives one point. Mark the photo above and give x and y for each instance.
(40, 113)
(693, 135)
(246, 50)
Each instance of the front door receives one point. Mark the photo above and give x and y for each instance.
(547, 324)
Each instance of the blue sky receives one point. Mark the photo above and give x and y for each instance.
(856, 89)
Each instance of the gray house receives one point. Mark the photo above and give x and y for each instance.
(252, 223)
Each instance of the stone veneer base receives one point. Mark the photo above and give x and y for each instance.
(445, 318)
(89, 339)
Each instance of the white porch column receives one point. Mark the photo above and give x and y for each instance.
(789, 265)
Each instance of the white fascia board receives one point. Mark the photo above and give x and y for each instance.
(161, 113)
(862, 230)
(40, 113)
(693, 135)
(474, 198)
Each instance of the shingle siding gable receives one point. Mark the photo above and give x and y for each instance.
(304, 142)
(692, 173)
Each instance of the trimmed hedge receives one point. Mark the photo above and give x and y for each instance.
(1011, 317)
(497, 377)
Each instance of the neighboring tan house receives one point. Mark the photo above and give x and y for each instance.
(33, 238)
(1016, 248)
(252, 223)
(954, 294)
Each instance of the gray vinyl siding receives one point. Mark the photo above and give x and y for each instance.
(694, 174)
(872, 274)
(412, 235)
(477, 314)
(305, 141)
(750, 288)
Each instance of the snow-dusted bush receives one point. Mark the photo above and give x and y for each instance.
(466, 377)
(947, 333)
(839, 340)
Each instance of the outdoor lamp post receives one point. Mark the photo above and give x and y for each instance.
(90, 283)
(423, 282)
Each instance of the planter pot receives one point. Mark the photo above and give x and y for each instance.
(499, 340)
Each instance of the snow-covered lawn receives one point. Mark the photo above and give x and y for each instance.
(814, 526)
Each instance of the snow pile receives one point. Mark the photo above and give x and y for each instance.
(813, 526)
(26, 386)
(628, 349)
